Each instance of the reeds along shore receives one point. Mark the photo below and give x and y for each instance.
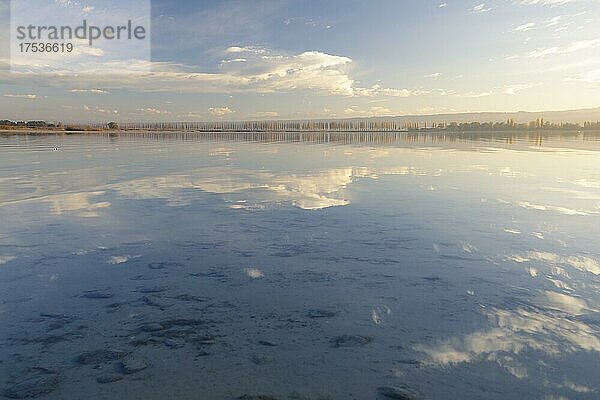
(355, 126)
(302, 126)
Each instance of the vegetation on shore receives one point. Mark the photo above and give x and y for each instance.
(304, 126)
(8, 125)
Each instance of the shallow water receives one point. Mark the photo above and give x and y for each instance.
(300, 266)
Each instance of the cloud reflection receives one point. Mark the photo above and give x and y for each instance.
(513, 332)
(6, 259)
(116, 260)
(308, 191)
(80, 204)
(254, 273)
(565, 303)
(561, 210)
(581, 263)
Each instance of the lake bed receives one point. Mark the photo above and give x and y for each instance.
(300, 266)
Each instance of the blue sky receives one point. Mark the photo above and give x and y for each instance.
(232, 60)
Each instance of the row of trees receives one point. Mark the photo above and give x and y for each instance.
(28, 124)
(511, 125)
(8, 124)
(358, 126)
(316, 126)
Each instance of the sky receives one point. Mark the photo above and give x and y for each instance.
(298, 59)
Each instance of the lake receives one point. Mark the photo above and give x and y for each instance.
(300, 266)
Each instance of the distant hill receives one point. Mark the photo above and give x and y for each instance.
(573, 116)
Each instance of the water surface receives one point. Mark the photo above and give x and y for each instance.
(300, 266)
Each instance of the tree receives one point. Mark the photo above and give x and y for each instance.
(113, 126)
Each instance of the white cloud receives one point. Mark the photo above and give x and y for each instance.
(541, 52)
(480, 8)
(590, 77)
(374, 111)
(220, 111)
(435, 75)
(262, 72)
(264, 114)
(378, 91)
(582, 45)
(514, 89)
(234, 60)
(553, 21)
(308, 21)
(152, 110)
(22, 96)
(578, 64)
(525, 27)
(254, 50)
(443, 5)
(544, 2)
(96, 109)
(555, 50)
(67, 3)
(474, 95)
(506, 89)
(92, 91)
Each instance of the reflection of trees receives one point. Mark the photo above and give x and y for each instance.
(374, 138)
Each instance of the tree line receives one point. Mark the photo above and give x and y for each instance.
(312, 126)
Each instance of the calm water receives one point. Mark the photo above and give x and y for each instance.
(300, 266)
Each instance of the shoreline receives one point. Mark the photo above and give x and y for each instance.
(51, 132)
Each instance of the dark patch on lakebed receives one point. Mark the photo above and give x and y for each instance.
(39, 384)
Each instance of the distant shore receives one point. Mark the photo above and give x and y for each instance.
(59, 132)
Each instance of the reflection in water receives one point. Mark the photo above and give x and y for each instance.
(309, 192)
(564, 303)
(115, 260)
(582, 263)
(300, 265)
(82, 203)
(6, 259)
(312, 191)
(254, 273)
(560, 210)
(519, 331)
(385, 138)
(79, 204)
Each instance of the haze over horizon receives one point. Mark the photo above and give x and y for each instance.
(241, 60)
